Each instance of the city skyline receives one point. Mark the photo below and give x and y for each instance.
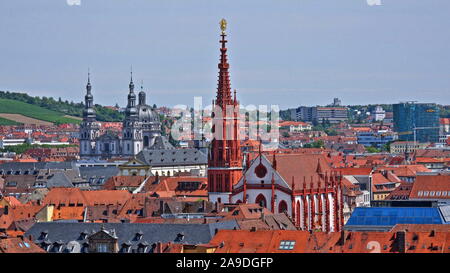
(360, 53)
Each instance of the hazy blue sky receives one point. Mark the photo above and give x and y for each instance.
(285, 52)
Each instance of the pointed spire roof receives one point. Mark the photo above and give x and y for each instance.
(223, 89)
(131, 80)
(88, 85)
(142, 94)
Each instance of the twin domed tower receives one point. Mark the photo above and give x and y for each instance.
(141, 129)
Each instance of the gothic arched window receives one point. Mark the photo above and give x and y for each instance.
(261, 200)
(282, 207)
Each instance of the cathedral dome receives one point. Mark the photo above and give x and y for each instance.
(147, 114)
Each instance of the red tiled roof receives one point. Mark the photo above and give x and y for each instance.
(354, 171)
(19, 245)
(77, 197)
(301, 166)
(242, 241)
(433, 184)
(421, 227)
(401, 192)
(115, 182)
(68, 213)
(173, 186)
(12, 201)
(406, 170)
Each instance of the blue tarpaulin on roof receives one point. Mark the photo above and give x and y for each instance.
(390, 216)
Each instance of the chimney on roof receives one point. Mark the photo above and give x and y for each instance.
(161, 207)
(342, 238)
(203, 205)
(400, 237)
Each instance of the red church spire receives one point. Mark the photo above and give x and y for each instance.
(224, 164)
(224, 89)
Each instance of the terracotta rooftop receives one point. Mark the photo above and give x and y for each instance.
(431, 187)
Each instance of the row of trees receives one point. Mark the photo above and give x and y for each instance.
(22, 148)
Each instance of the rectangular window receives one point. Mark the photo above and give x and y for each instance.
(102, 248)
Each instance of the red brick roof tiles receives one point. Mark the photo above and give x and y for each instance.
(241, 241)
(19, 245)
(431, 187)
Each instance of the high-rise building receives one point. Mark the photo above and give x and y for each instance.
(332, 115)
(417, 121)
(224, 159)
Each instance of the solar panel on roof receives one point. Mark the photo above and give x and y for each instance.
(396, 215)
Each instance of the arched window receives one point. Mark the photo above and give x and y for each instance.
(282, 207)
(261, 200)
(297, 213)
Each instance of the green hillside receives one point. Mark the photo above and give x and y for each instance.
(63, 107)
(4, 121)
(33, 111)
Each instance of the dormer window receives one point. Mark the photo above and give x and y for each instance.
(126, 247)
(142, 248)
(180, 237)
(83, 235)
(102, 248)
(43, 235)
(57, 246)
(85, 248)
(138, 235)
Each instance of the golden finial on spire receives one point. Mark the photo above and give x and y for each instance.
(223, 25)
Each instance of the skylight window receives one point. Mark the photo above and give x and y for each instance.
(287, 245)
